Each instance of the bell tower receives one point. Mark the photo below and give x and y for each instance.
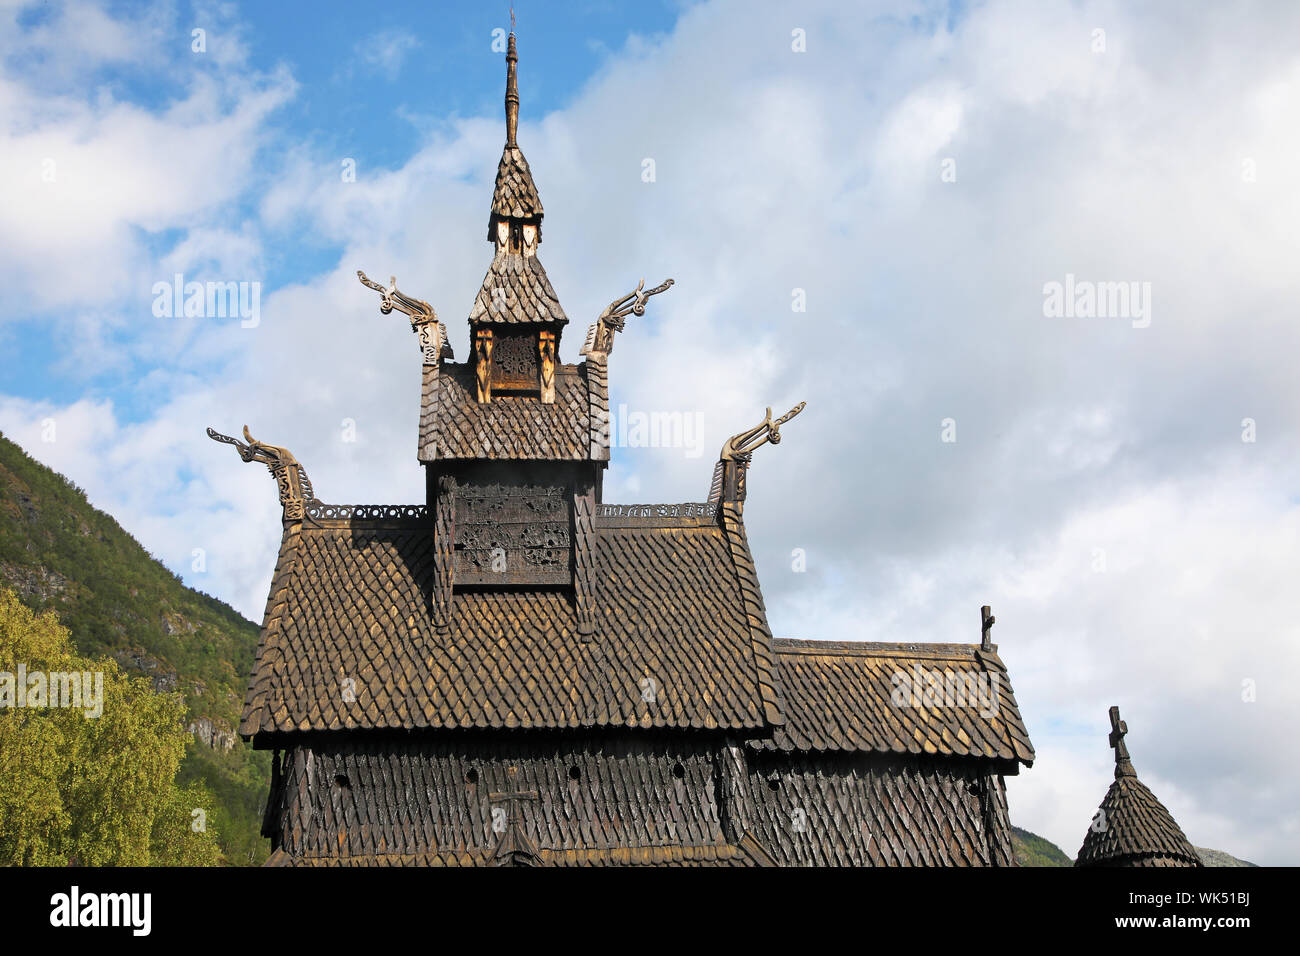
(516, 321)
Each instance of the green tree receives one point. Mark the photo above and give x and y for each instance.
(94, 790)
(183, 833)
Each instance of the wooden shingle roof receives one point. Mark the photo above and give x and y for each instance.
(856, 696)
(515, 194)
(1135, 830)
(1132, 827)
(454, 424)
(348, 640)
(516, 291)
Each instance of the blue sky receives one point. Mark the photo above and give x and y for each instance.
(371, 86)
(1122, 488)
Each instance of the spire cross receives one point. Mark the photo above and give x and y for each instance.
(987, 620)
(1117, 731)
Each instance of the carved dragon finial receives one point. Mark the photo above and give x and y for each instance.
(600, 335)
(290, 476)
(741, 446)
(733, 460)
(424, 320)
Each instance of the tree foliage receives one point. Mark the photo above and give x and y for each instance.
(60, 553)
(91, 790)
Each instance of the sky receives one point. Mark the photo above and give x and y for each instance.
(1030, 264)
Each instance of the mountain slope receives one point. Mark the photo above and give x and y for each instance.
(1033, 850)
(59, 553)
(1219, 858)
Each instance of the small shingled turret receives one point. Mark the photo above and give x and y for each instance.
(516, 320)
(1132, 827)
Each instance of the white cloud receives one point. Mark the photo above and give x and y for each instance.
(91, 176)
(820, 171)
(384, 51)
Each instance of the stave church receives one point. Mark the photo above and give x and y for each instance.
(515, 672)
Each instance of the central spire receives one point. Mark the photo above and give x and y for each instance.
(514, 200)
(516, 319)
(512, 93)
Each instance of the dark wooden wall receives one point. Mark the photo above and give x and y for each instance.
(360, 795)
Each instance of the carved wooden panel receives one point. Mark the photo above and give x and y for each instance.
(515, 361)
(513, 534)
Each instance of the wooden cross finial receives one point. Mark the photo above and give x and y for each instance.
(1118, 729)
(987, 620)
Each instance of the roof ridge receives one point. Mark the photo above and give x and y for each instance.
(795, 645)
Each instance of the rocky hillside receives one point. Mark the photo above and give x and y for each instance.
(59, 553)
(1033, 850)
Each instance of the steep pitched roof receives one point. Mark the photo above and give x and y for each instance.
(515, 194)
(1135, 830)
(348, 640)
(944, 699)
(516, 291)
